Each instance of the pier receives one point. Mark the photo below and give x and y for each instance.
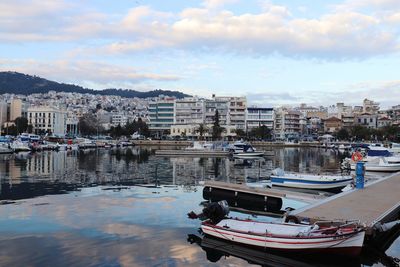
(263, 192)
(378, 202)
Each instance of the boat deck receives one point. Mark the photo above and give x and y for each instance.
(377, 202)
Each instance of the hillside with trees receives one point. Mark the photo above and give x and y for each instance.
(19, 83)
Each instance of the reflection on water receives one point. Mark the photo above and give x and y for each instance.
(122, 207)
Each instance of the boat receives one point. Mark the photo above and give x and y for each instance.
(309, 181)
(378, 165)
(5, 148)
(241, 149)
(394, 148)
(200, 146)
(20, 146)
(336, 237)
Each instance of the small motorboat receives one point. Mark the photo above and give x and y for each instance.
(5, 148)
(378, 165)
(244, 150)
(342, 238)
(309, 181)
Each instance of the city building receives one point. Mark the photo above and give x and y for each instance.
(47, 120)
(256, 117)
(15, 109)
(287, 124)
(367, 120)
(189, 111)
(332, 125)
(162, 116)
(370, 106)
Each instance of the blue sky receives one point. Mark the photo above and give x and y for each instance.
(273, 52)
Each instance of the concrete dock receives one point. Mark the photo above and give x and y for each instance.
(378, 202)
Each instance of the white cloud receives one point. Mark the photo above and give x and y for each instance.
(336, 35)
(97, 74)
(212, 4)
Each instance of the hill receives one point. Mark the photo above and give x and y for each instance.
(19, 83)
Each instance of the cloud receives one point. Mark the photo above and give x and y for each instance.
(98, 74)
(212, 4)
(341, 34)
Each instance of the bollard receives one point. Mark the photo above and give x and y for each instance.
(360, 171)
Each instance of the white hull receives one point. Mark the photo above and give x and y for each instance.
(5, 150)
(379, 168)
(248, 154)
(312, 185)
(309, 181)
(352, 240)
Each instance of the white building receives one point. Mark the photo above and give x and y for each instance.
(161, 115)
(49, 120)
(257, 117)
(189, 111)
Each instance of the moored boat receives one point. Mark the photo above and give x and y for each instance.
(335, 237)
(240, 149)
(347, 238)
(309, 181)
(378, 165)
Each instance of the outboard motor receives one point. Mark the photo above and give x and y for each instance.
(215, 211)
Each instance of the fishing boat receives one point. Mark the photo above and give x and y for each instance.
(287, 236)
(309, 181)
(343, 238)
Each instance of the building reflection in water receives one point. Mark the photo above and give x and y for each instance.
(70, 170)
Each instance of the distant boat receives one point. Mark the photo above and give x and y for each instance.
(395, 148)
(241, 149)
(5, 148)
(309, 181)
(20, 146)
(201, 146)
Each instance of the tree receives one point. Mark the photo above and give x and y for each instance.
(201, 129)
(89, 125)
(360, 132)
(22, 124)
(262, 132)
(342, 134)
(240, 133)
(216, 129)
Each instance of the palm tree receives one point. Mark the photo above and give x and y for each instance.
(202, 129)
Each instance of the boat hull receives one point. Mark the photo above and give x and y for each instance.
(349, 244)
(379, 168)
(248, 154)
(309, 184)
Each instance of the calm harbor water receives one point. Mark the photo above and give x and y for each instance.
(128, 208)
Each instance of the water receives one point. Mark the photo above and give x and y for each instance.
(128, 208)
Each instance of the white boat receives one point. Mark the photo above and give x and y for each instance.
(200, 146)
(395, 148)
(5, 148)
(379, 165)
(309, 181)
(86, 143)
(240, 149)
(20, 146)
(288, 236)
(342, 237)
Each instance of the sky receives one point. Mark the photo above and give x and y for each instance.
(273, 52)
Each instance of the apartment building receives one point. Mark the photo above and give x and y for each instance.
(48, 120)
(287, 124)
(256, 117)
(161, 115)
